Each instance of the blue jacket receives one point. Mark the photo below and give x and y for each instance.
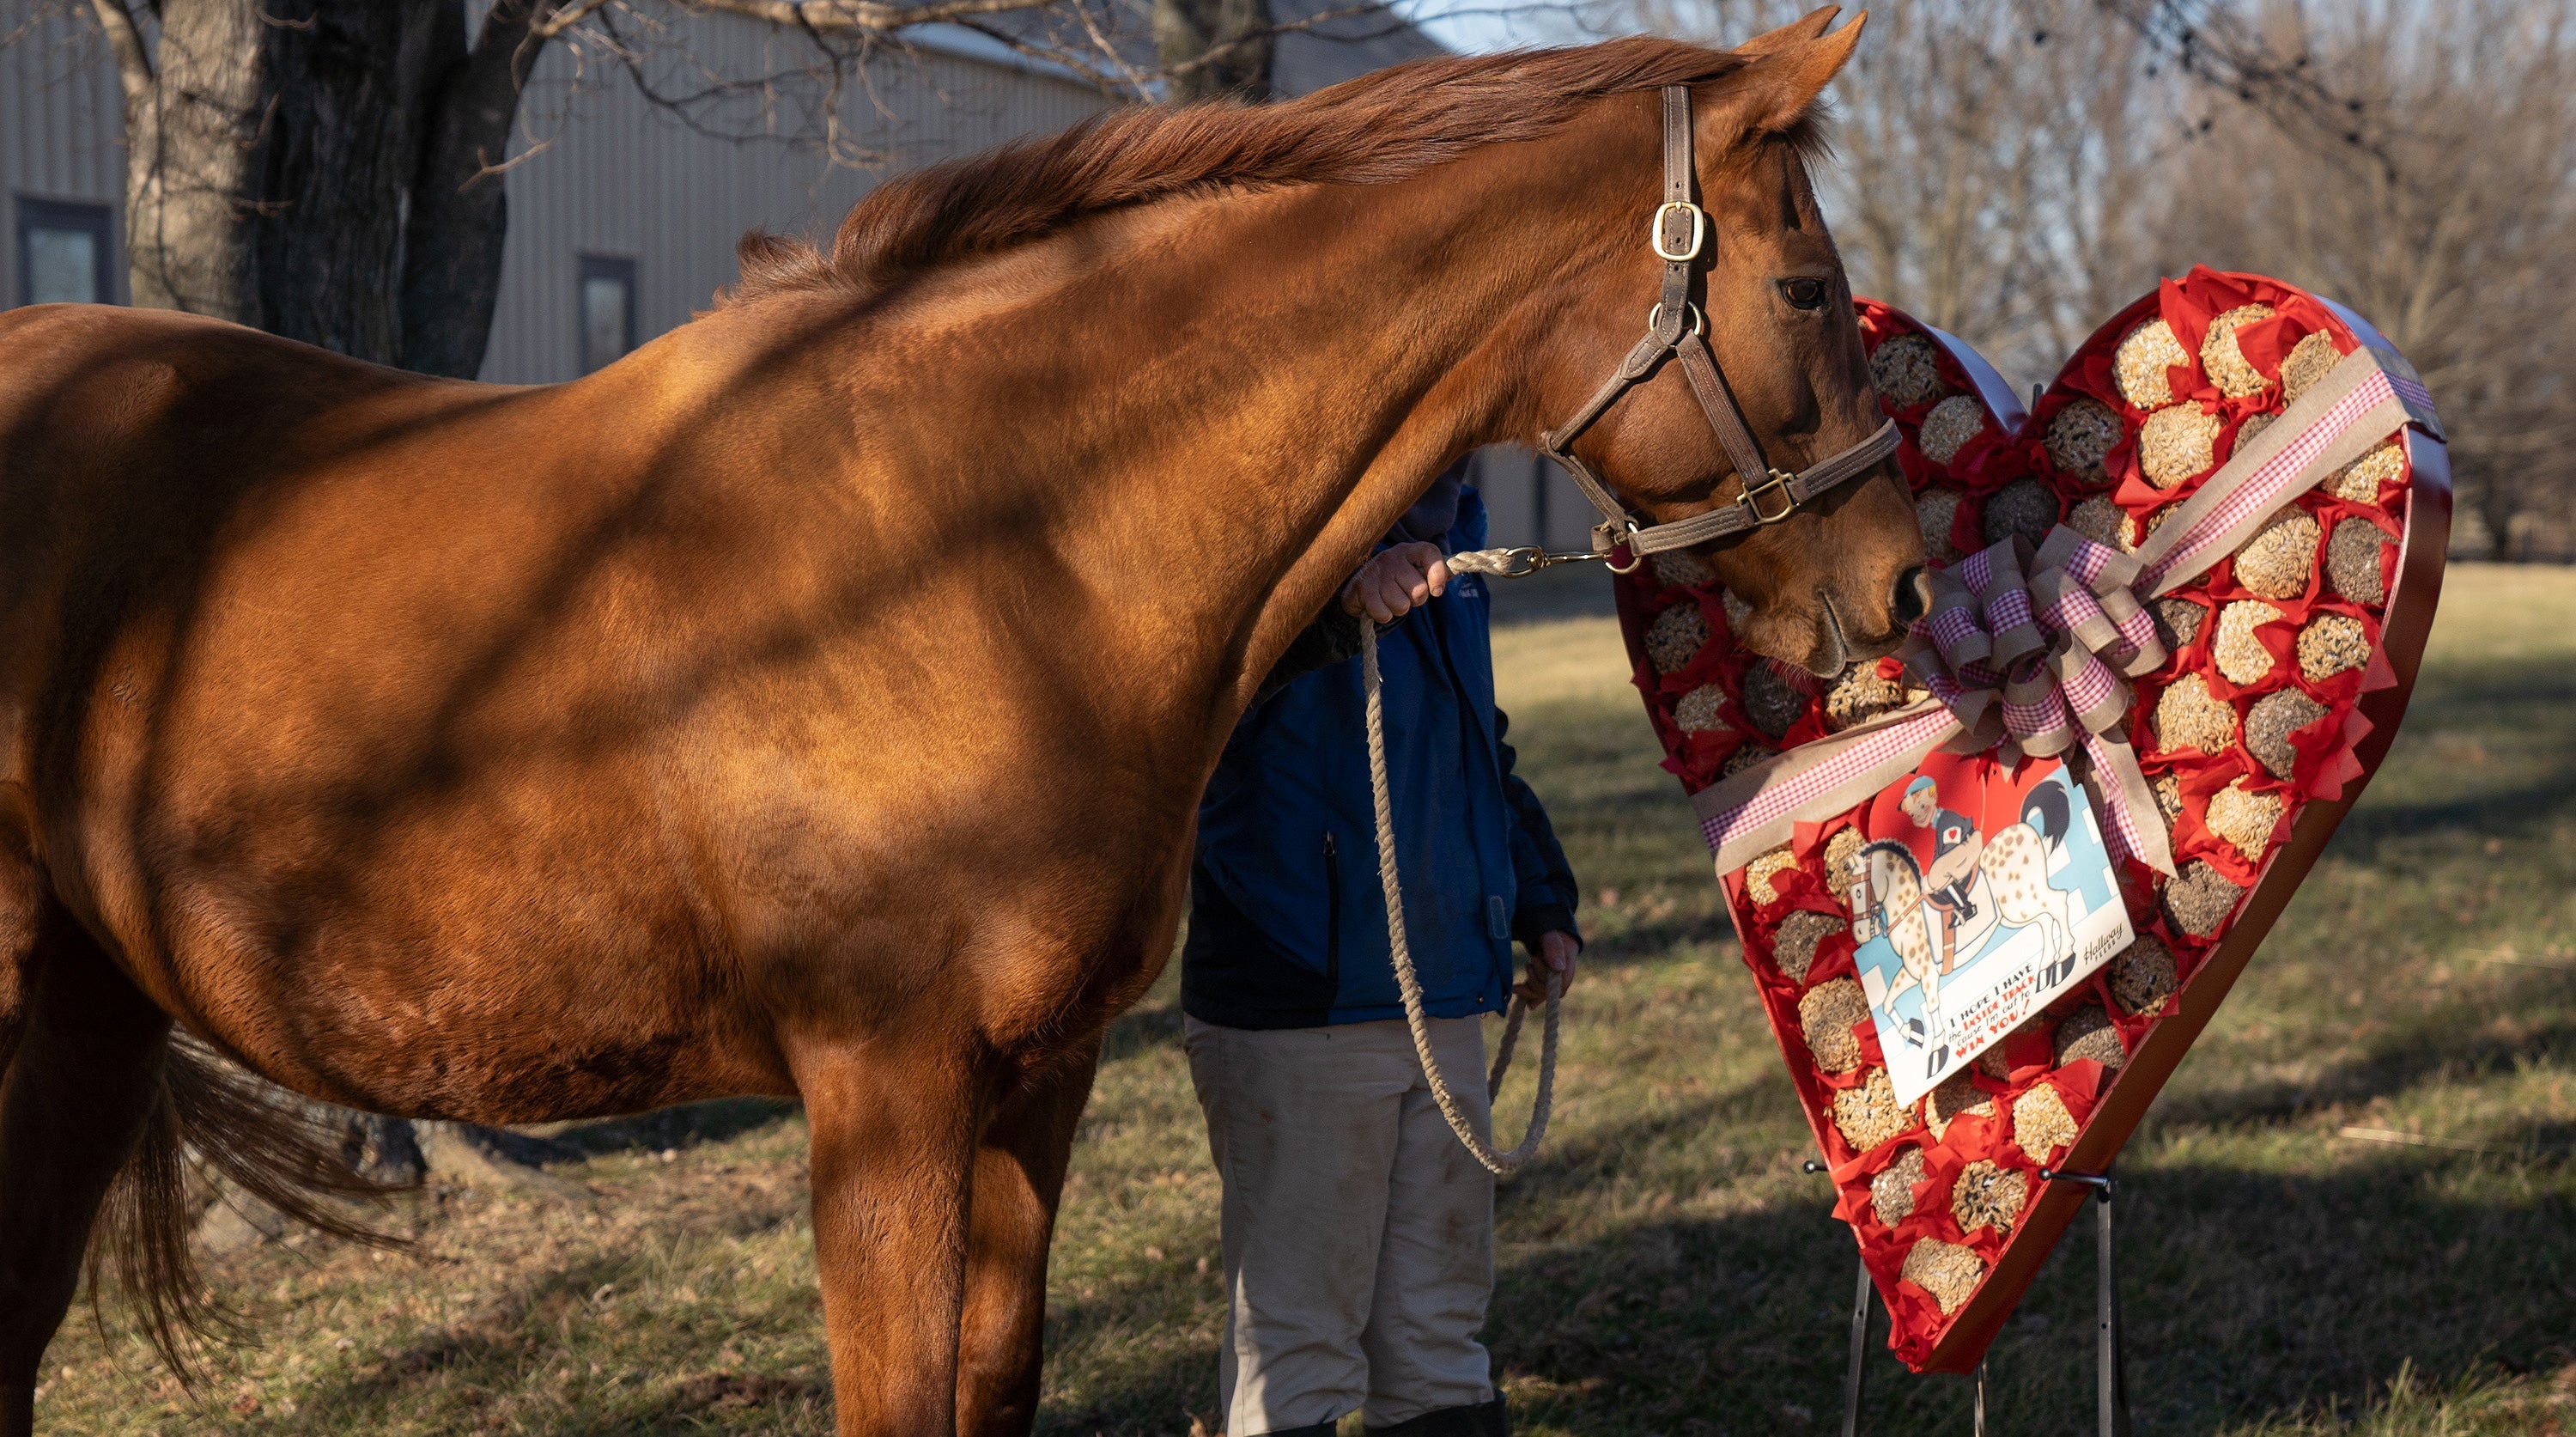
(1287, 918)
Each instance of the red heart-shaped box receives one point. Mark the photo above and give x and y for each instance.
(2291, 654)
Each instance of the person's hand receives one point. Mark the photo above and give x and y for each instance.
(1555, 955)
(1390, 585)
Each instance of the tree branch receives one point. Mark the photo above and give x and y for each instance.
(125, 39)
(861, 16)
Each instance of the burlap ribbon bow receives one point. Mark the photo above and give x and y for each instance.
(2039, 666)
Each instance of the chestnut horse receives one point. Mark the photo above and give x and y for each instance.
(816, 701)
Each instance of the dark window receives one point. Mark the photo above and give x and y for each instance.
(607, 317)
(64, 253)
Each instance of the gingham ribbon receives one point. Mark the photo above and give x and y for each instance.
(2038, 666)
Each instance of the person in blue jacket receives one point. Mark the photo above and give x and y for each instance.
(1358, 1232)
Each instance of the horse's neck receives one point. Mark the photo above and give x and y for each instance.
(1247, 391)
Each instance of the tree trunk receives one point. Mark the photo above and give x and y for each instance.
(1235, 38)
(451, 274)
(321, 169)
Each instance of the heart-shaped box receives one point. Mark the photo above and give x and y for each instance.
(2300, 460)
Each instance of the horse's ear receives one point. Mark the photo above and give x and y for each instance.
(1774, 94)
(1805, 27)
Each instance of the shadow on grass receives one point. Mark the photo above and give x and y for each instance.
(677, 1127)
(2246, 1295)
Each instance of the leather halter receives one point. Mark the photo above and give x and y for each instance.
(1680, 235)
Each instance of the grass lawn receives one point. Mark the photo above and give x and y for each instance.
(2353, 1209)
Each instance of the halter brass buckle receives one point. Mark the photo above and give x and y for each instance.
(1777, 482)
(1698, 231)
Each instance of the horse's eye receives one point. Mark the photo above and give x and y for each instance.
(1803, 293)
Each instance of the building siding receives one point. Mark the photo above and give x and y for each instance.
(61, 125)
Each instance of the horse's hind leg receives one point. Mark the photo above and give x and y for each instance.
(76, 1094)
(1019, 1177)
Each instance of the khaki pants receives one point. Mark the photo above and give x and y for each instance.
(1359, 1235)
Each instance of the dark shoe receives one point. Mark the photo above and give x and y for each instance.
(1485, 1419)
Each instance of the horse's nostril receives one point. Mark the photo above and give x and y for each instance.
(1913, 596)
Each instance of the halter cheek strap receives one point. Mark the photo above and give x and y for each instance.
(1679, 234)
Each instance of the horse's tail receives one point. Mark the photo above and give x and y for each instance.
(2045, 811)
(214, 1122)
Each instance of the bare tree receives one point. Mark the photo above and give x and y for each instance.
(2446, 212)
(2015, 170)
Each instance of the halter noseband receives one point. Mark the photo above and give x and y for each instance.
(1679, 235)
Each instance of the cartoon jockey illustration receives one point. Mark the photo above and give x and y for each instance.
(1956, 847)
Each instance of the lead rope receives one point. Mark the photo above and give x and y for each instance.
(1407, 982)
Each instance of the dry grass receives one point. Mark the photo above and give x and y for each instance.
(1666, 1267)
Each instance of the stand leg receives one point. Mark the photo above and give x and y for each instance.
(2110, 1359)
(1981, 1397)
(1859, 1355)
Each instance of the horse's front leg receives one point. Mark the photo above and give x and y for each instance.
(1019, 1178)
(893, 1144)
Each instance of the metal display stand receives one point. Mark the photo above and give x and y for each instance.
(2110, 1357)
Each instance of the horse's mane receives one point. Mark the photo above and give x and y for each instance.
(1381, 127)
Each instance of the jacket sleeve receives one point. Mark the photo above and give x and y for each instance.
(1333, 638)
(1548, 896)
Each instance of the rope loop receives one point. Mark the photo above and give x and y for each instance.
(1409, 984)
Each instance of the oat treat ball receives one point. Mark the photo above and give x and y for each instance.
(2238, 654)
(2088, 1033)
(1996, 1061)
(2332, 644)
(1759, 873)
(1988, 1194)
(2141, 361)
(1859, 695)
(1793, 945)
(1840, 851)
(1868, 1115)
(1676, 637)
(1699, 711)
(2254, 424)
(2200, 900)
(1946, 1270)
(1948, 428)
(1681, 568)
(2269, 724)
(2169, 798)
(2101, 521)
(2245, 818)
(2281, 557)
(2359, 481)
(1907, 371)
(1934, 509)
(2177, 622)
(1744, 758)
(1770, 701)
(2224, 363)
(1826, 1015)
(2143, 977)
(2310, 360)
(2188, 716)
(2352, 562)
(2177, 445)
(2041, 1124)
(2023, 507)
(2079, 435)
(1891, 1193)
(2140, 530)
(1957, 1097)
